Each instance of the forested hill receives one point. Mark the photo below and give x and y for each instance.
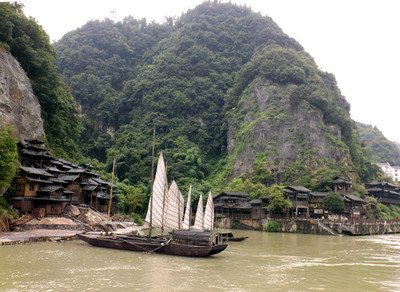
(30, 45)
(229, 93)
(382, 150)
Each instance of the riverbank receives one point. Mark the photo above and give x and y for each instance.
(38, 235)
(60, 229)
(318, 226)
(42, 229)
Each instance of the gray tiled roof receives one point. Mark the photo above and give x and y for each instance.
(68, 178)
(299, 189)
(36, 171)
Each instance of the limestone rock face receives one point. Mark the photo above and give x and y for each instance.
(268, 124)
(19, 107)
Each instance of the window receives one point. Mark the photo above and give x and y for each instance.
(31, 187)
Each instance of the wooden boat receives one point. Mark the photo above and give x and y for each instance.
(228, 236)
(179, 243)
(165, 210)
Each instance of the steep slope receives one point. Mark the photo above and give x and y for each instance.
(30, 46)
(382, 150)
(228, 92)
(291, 121)
(19, 107)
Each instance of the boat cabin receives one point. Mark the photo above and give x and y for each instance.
(195, 237)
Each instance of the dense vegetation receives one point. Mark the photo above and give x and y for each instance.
(30, 45)
(8, 156)
(382, 150)
(184, 77)
(8, 167)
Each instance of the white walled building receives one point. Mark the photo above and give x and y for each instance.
(391, 171)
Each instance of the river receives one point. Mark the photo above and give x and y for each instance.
(264, 262)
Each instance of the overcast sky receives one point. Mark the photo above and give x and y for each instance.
(356, 40)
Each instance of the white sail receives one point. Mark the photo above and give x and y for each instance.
(173, 208)
(198, 221)
(186, 219)
(158, 194)
(209, 214)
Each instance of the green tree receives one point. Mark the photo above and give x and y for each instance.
(30, 45)
(255, 190)
(277, 200)
(131, 198)
(334, 203)
(8, 156)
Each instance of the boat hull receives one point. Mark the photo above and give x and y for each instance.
(228, 236)
(141, 244)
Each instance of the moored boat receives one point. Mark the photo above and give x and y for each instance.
(179, 243)
(228, 236)
(165, 210)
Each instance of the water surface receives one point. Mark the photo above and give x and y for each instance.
(264, 262)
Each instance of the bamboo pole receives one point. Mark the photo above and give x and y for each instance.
(112, 182)
(152, 183)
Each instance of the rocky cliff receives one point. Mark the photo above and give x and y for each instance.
(19, 107)
(270, 129)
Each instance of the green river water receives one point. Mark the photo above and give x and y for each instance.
(264, 262)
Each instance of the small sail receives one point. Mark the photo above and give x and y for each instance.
(158, 193)
(186, 219)
(209, 214)
(173, 209)
(198, 221)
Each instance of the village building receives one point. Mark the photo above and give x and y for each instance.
(299, 196)
(354, 206)
(226, 204)
(384, 192)
(316, 203)
(46, 184)
(342, 185)
(306, 204)
(259, 208)
(391, 171)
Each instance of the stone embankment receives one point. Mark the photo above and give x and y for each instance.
(319, 226)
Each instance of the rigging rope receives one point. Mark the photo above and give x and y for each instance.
(162, 244)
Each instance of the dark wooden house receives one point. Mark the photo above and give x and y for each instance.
(53, 199)
(385, 193)
(317, 209)
(225, 204)
(27, 183)
(354, 206)
(259, 208)
(342, 185)
(299, 197)
(49, 183)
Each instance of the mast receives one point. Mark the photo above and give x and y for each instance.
(152, 183)
(179, 212)
(112, 182)
(190, 204)
(164, 197)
